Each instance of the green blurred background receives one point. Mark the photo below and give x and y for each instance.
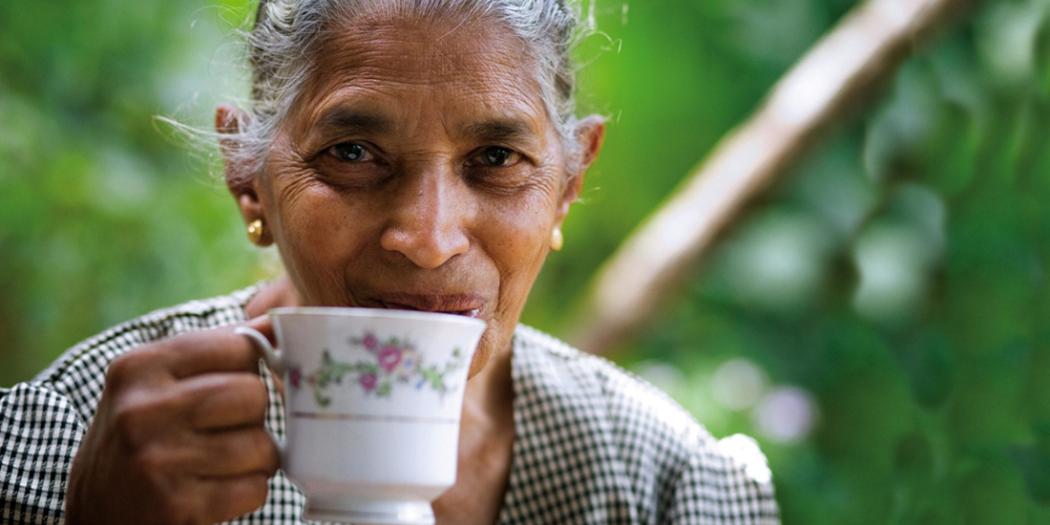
(878, 322)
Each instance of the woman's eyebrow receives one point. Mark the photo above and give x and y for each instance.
(500, 130)
(347, 120)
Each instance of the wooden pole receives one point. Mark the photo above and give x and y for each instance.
(863, 50)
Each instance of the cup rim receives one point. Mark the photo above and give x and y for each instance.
(348, 311)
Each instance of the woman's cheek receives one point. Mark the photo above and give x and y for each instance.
(320, 233)
(531, 207)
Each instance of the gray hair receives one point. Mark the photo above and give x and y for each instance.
(286, 33)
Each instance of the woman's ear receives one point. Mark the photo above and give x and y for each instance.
(228, 122)
(240, 177)
(590, 135)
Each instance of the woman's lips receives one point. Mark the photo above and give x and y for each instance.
(458, 304)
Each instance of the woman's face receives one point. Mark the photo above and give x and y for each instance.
(419, 170)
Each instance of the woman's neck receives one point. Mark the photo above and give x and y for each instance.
(490, 392)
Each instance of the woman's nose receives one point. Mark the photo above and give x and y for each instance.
(427, 220)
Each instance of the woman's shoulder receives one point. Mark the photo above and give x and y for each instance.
(635, 432)
(78, 374)
(591, 381)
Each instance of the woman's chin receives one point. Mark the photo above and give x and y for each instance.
(486, 351)
(482, 356)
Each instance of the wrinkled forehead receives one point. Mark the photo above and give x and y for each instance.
(398, 61)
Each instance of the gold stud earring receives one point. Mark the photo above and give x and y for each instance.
(557, 239)
(256, 231)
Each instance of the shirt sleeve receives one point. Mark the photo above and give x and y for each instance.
(39, 435)
(728, 483)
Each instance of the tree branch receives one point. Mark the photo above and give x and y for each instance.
(865, 49)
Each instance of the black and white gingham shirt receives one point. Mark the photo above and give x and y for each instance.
(593, 444)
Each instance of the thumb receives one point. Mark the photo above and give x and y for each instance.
(263, 324)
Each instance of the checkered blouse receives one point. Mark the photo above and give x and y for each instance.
(593, 444)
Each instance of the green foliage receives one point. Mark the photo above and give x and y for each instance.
(898, 276)
(104, 215)
(896, 281)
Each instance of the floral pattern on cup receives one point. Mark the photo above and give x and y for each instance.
(391, 363)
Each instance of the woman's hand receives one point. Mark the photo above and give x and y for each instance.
(178, 436)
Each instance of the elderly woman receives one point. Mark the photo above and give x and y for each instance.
(402, 154)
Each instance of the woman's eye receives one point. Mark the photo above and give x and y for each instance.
(353, 165)
(497, 157)
(350, 152)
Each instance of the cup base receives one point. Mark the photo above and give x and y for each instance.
(363, 512)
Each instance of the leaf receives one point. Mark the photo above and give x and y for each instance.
(438, 382)
(321, 399)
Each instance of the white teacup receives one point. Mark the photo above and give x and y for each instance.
(372, 406)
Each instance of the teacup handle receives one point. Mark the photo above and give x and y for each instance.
(269, 353)
(272, 356)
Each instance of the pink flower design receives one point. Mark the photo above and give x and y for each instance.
(389, 357)
(392, 363)
(368, 382)
(370, 342)
(409, 364)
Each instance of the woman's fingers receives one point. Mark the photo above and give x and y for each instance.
(223, 400)
(263, 324)
(229, 498)
(181, 423)
(217, 350)
(234, 453)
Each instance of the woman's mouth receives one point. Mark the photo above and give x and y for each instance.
(466, 305)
